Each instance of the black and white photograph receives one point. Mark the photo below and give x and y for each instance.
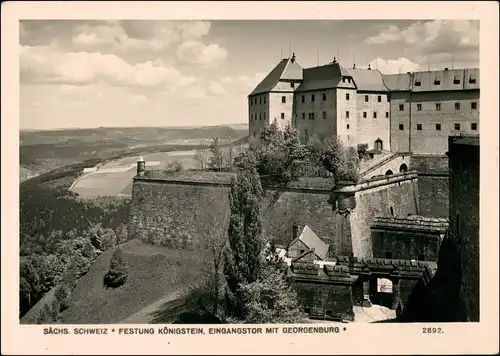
(317, 173)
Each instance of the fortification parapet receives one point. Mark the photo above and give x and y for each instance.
(337, 271)
(343, 195)
(305, 268)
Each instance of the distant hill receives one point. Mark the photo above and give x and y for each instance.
(43, 151)
(130, 134)
(154, 273)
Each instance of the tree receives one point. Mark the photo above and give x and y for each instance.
(295, 153)
(362, 149)
(31, 287)
(314, 148)
(350, 165)
(242, 258)
(280, 155)
(175, 166)
(55, 309)
(118, 272)
(342, 161)
(216, 236)
(44, 316)
(332, 154)
(202, 157)
(70, 275)
(271, 299)
(216, 158)
(61, 295)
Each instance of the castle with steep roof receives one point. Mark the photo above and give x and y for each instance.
(412, 112)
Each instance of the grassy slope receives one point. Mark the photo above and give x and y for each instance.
(154, 273)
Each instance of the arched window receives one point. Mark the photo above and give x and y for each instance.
(403, 168)
(388, 173)
(378, 144)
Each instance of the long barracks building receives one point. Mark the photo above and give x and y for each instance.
(411, 112)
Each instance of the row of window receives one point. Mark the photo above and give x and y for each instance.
(379, 98)
(254, 101)
(456, 126)
(347, 97)
(262, 100)
(261, 116)
(365, 114)
(313, 98)
(437, 81)
(473, 106)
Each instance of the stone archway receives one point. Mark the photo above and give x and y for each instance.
(379, 145)
(389, 173)
(403, 168)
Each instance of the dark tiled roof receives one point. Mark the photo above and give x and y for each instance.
(284, 70)
(317, 78)
(396, 82)
(437, 80)
(413, 222)
(369, 80)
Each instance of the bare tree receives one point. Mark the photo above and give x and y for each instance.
(214, 233)
(202, 156)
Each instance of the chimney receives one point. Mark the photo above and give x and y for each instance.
(141, 167)
(334, 60)
(293, 58)
(354, 66)
(369, 67)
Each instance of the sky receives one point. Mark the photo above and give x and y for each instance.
(84, 74)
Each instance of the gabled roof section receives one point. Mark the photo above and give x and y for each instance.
(302, 255)
(285, 70)
(397, 82)
(313, 242)
(323, 77)
(368, 79)
(293, 71)
(344, 72)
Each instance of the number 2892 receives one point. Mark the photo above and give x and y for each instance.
(432, 331)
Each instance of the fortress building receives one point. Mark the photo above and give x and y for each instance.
(411, 112)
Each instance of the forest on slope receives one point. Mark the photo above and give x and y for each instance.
(60, 233)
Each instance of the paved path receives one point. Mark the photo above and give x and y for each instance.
(145, 315)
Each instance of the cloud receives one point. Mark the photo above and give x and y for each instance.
(43, 64)
(216, 89)
(194, 29)
(244, 82)
(195, 52)
(394, 66)
(437, 36)
(138, 35)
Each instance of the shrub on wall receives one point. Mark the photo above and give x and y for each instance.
(118, 272)
(61, 295)
(362, 149)
(175, 166)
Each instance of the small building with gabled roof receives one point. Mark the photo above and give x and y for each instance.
(308, 246)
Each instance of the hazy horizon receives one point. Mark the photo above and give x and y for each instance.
(155, 73)
(133, 127)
